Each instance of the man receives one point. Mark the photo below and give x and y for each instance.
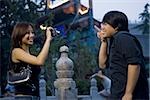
(121, 52)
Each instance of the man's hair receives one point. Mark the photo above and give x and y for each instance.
(117, 20)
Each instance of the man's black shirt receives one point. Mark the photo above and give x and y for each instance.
(125, 49)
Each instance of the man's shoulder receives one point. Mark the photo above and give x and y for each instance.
(123, 35)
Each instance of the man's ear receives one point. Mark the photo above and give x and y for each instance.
(119, 26)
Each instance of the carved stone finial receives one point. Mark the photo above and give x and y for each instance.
(64, 49)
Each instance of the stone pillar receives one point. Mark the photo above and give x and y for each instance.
(94, 90)
(65, 85)
(42, 88)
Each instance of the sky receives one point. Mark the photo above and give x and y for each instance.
(132, 8)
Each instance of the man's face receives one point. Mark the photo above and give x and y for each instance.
(108, 30)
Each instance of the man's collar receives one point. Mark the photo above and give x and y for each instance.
(119, 32)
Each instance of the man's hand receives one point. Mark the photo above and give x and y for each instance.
(101, 36)
(127, 97)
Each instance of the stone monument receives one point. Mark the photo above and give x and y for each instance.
(64, 84)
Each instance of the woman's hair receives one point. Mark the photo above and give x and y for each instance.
(117, 20)
(19, 31)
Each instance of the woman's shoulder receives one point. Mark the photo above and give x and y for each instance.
(15, 50)
(14, 53)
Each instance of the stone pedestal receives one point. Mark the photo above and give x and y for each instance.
(65, 85)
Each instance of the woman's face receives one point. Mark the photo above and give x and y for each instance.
(29, 37)
(108, 30)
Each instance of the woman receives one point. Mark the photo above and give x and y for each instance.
(122, 52)
(22, 39)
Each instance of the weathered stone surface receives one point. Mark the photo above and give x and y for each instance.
(65, 85)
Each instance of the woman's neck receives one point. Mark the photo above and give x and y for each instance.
(25, 48)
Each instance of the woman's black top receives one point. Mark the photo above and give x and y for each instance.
(30, 87)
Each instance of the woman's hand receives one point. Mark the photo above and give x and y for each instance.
(48, 33)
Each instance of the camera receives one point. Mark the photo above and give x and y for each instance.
(40, 23)
(54, 32)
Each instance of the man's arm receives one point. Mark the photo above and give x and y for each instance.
(132, 78)
(103, 54)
